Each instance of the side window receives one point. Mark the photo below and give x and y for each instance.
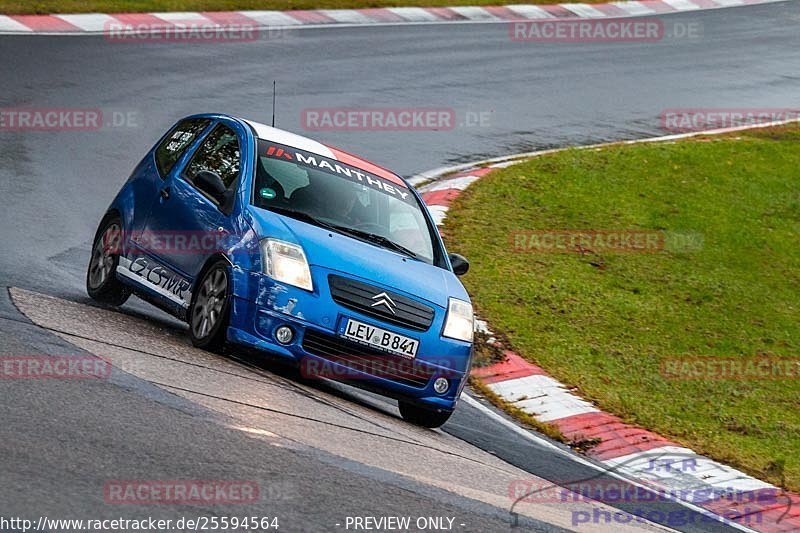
(219, 153)
(172, 148)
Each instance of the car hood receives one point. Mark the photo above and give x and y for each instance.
(347, 255)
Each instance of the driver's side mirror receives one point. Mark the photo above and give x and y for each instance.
(211, 183)
(459, 263)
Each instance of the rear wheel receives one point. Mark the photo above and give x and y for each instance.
(210, 311)
(422, 417)
(101, 279)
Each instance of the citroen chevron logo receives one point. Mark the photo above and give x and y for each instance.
(384, 300)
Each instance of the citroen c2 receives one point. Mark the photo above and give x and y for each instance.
(259, 237)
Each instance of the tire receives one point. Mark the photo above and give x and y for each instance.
(420, 416)
(209, 314)
(101, 279)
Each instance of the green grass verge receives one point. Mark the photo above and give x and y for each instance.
(15, 7)
(604, 322)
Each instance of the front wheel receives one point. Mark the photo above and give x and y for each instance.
(422, 417)
(101, 279)
(210, 311)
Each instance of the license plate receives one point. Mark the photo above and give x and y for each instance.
(380, 338)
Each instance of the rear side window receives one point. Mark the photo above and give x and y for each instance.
(219, 153)
(172, 148)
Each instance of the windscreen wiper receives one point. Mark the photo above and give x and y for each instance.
(305, 217)
(380, 240)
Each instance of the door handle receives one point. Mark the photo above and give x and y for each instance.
(164, 193)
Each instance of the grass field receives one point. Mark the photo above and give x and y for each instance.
(604, 322)
(14, 7)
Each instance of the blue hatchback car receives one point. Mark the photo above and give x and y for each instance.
(263, 238)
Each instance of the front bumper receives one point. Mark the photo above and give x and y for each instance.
(261, 305)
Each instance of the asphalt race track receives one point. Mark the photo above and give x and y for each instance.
(319, 453)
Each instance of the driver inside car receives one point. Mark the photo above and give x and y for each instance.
(320, 196)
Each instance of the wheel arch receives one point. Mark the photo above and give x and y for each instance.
(110, 213)
(211, 261)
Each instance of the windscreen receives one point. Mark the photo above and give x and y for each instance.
(331, 194)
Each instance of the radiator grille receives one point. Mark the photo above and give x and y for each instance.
(384, 305)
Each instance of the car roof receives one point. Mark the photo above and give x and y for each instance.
(268, 133)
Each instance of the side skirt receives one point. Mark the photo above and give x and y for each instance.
(156, 285)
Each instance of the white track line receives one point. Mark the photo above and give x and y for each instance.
(7, 24)
(89, 23)
(271, 18)
(455, 183)
(634, 8)
(474, 13)
(182, 17)
(347, 15)
(682, 5)
(585, 11)
(530, 12)
(414, 14)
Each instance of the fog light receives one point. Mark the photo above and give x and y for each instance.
(284, 334)
(441, 385)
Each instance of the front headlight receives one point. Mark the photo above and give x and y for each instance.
(286, 262)
(458, 323)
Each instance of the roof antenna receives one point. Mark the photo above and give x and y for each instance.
(273, 103)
